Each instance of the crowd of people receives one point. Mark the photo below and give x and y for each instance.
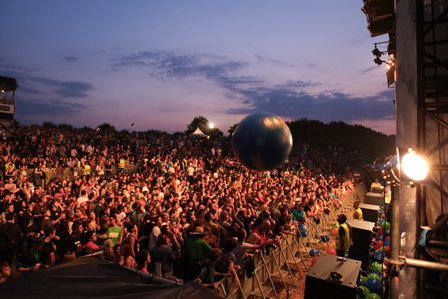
(187, 209)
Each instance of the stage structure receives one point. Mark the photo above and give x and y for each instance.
(418, 57)
(8, 88)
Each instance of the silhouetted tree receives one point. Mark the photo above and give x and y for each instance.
(106, 127)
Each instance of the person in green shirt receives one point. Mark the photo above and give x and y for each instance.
(196, 248)
(114, 232)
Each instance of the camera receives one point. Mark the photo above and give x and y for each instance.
(268, 248)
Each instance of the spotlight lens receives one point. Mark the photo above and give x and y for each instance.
(414, 167)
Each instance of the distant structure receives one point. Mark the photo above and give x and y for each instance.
(8, 88)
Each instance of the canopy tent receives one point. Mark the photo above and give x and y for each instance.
(8, 84)
(91, 276)
(198, 132)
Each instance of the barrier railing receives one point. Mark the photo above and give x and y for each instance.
(73, 172)
(289, 257)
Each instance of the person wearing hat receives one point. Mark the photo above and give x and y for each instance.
(196, 248)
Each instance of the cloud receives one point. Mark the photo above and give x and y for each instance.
(326, 106)
(33, 84)
(30, 107)
(66, 89)
(173, 65)
(289, 100)
(71, 59)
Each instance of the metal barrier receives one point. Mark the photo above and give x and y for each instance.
(287, 256)
(76, 171)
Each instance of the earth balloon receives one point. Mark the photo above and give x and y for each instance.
(262, 141)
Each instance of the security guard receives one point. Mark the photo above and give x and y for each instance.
(357, 214)
(375, 184)
(86, 169)
(344, 237)
(121, 165)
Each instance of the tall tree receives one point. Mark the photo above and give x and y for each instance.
(198, 121)
(106, 127)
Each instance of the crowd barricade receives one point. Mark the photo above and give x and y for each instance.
(287, 259)
(74, 172)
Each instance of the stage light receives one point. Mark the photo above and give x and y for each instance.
(377, 52)
(414, 166)
(378, 61)
(406, 169)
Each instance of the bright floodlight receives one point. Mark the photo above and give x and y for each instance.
(211, 126)
(414, 167)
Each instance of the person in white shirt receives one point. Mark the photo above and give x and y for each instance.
(155, 233)
(242, 248)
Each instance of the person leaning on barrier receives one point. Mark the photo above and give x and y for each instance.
(261, 234)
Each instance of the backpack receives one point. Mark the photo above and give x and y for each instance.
(7, 240)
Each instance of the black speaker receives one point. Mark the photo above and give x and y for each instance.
(362, 236)
(378, 190)
(374, 199)
(369, 212)
(319, 281)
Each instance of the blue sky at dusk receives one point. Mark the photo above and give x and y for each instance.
(159, 64)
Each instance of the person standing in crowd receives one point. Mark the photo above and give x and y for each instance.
(115, 232)
(9, 239)
(344, 237)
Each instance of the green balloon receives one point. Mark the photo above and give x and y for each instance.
(365, 291)
(373, 275)
(373, 296)
(381, 248)
(364, 278)
(375, 266)
(336, 225)
(385, 226)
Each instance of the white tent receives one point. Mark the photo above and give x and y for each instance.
(198, 132)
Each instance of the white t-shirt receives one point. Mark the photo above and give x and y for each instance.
(240, 252)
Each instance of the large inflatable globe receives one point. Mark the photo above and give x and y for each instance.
(262, 141)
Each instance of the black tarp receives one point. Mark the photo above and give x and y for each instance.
(372, 172)
(91, 277)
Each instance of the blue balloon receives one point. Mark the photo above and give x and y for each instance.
(387, 233)
(302, 232)
(379, 238)
(378, 255)
(314, 252)
(262, 141)
(387, 242)
(374, 286)
(325, 238)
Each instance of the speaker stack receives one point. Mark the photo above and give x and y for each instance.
(374, 199)
(320, 283)
(370, 212)
(362, 238)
